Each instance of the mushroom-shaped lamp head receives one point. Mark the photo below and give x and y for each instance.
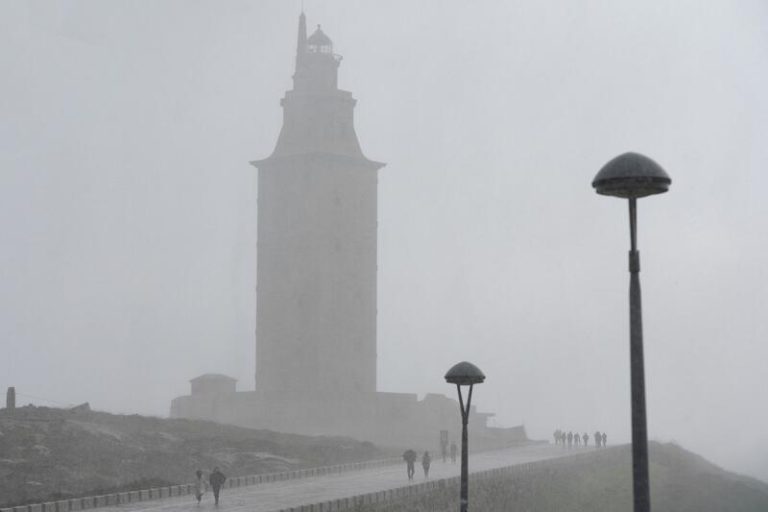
(464, 374)
(631, 175)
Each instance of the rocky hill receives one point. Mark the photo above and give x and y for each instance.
(48, 454)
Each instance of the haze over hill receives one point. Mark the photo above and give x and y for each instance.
(57, 454)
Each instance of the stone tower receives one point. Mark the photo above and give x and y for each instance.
(316, 268)
(316, 286)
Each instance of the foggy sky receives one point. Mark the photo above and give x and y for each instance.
(128, 208)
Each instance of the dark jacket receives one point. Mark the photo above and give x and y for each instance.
(217, 479)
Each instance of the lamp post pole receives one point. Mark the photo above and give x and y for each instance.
(464, 374)
(632, 176)
(640, 479)
(464, 496)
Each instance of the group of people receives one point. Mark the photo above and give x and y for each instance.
(569, 439)
(444, 450)
(410, 457)
(216, 480)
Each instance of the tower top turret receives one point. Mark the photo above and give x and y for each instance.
(316, 64)
(317, 116)
(319, 42)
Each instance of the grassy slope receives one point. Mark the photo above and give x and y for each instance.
(52, 453)
(680, 482)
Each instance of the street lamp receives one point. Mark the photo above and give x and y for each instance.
(464, 374)
(631, 176)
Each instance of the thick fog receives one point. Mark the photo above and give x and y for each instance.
(128, 207)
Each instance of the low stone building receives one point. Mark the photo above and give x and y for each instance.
(389, 419)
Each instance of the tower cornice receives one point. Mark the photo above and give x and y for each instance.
(359, 161)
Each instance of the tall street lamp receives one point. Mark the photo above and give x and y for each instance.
(632, 176)
(464, 374)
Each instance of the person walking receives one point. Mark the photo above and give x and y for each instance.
(570, 439)
(576, 439)
(605, 440)
(585, 437)
(426, 460)
(410, 460)
(453, 452)
(200, 486)
(598, 439)
(216, 479)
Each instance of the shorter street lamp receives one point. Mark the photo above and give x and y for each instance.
(464, 374)
(632, 176)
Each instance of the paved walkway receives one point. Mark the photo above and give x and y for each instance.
(269, 497)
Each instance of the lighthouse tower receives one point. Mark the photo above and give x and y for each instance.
(316, 287)
(316, 267)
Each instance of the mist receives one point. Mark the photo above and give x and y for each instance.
(128, 207)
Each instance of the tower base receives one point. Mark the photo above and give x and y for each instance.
(385, 419)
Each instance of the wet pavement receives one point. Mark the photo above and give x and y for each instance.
(273, 496)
